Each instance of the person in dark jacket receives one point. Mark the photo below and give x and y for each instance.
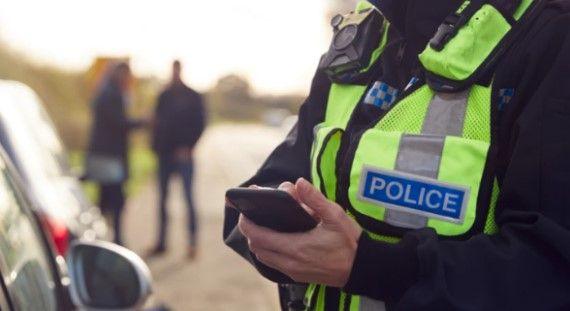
(107, 158)
(524, 265)
(179, 122)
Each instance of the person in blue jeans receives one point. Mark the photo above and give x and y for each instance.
(180, 120)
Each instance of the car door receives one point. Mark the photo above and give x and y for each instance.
(26, 264)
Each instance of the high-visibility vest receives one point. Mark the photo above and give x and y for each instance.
(423, 162)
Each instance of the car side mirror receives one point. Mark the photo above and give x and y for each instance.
(107, 276)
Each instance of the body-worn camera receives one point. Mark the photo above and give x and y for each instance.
(356, 36)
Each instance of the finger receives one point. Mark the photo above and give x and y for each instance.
(327, 210)
(261, 238)
(310, 211)
(289, 188)
(247, 227)
(285, 186)
(230, 204)
(259, 187)
(243, 225)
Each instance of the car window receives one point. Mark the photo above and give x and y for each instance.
(43, 131)
(23, 135)
(24, 260)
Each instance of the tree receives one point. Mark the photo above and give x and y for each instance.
(232, 98)
(234, 89)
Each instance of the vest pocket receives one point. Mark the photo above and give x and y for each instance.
(405, 181)
(326, 144)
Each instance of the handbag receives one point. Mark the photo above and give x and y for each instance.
(105, 169)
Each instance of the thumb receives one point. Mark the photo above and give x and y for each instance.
(326, 210)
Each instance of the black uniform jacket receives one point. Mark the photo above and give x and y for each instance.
(526, 265)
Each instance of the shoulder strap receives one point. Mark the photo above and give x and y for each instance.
(470, 40)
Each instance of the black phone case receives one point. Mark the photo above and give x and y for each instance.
(274, 209)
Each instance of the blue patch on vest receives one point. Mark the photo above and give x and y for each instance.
(381, 95)
(414, 194)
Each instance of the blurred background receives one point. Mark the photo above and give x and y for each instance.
(252, 59)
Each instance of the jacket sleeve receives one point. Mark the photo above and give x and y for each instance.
(198, 122)
(111, 106)
(158, 120)
(526, 265)
(288, 162)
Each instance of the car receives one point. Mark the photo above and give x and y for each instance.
(95, 275)
(30, 139)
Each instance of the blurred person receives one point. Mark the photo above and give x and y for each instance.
(180, 120)
(107, 154)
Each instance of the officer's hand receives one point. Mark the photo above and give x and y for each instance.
(323, 255)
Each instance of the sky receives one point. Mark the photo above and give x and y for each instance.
(274, 43)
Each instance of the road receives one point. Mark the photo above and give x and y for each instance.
(218, 279)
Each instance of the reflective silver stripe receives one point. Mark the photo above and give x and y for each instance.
(446, 114)
(421, 154)
(418, 155)
(369, 304)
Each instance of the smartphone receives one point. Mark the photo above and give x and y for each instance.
(271, 208)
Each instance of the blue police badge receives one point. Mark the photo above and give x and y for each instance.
(414, 194)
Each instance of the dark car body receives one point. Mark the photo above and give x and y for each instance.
(34, 277)
(31, 141)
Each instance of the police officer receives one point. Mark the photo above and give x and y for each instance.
(433, 150)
